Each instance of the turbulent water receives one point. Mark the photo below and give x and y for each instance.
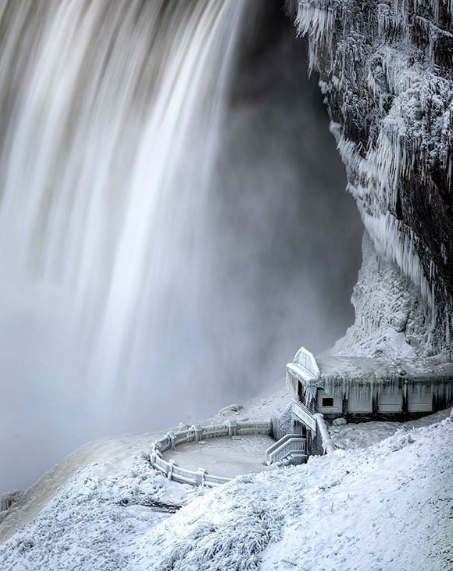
(150, 258)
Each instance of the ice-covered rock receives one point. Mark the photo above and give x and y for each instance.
(391, 319)
(10, 499)
(385, 72)
(232, 408)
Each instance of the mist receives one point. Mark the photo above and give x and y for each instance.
(266, 262)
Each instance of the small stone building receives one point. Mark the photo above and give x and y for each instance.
(362, 389)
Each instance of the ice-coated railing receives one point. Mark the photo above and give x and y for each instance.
(194, 434)
(327, 444)
(304, 414)
(285, 446)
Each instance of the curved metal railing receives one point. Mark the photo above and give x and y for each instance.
(194, 434)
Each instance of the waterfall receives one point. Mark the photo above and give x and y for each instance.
(110, 125)
(163, 205)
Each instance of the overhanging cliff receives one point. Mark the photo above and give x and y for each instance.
(386, 72)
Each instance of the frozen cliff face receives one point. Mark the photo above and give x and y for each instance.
(386, 72)
(392, 320)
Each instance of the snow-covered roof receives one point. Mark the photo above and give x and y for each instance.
(344, 374)
(369, 369)
(301, 373)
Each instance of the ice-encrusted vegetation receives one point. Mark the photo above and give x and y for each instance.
(385, 70)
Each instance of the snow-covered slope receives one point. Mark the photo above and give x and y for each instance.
(388, 507)
(114, 453)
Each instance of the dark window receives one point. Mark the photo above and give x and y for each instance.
(327, 402)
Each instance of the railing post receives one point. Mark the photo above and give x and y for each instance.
(198, 432)
(171, 437)
(202, 472)
(232, 427)
(171, 465)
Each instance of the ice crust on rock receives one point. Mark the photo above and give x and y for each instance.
(339, 422)
(232, 408)
(385, 71)
(10, 499)
(392, 321)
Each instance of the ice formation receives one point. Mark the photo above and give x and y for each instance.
(385, 72)
(392, 321)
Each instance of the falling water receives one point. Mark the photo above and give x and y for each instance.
(151, 232)
(113, 128)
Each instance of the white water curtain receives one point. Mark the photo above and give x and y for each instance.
(111, 115)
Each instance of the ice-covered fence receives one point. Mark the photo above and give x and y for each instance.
(194, 434)
(305, 414)
(323, 434)
(287, 445)
(10, 499)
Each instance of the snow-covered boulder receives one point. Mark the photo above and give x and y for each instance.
(9, 499)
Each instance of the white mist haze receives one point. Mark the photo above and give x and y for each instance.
(173, 223)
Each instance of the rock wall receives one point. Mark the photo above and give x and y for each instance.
(385, 70)
(392, 319)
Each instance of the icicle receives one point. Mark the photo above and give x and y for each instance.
(409, 106)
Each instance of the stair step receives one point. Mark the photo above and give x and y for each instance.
(292, 459)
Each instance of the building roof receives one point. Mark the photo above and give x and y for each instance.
(367, 369)
(343, 375)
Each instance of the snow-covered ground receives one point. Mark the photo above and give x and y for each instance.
(388, 507)
(384, 508)
(114, 454)
(364, 434)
